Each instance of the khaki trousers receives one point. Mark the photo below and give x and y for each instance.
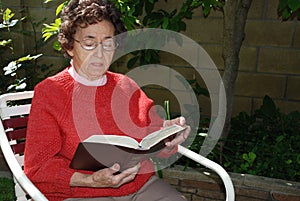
(154, 190)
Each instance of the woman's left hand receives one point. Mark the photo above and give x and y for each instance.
(180, 137)
(172, 144)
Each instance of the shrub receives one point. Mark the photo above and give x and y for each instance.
(18, 71)
(265, 144)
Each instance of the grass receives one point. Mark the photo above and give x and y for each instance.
(7, 189)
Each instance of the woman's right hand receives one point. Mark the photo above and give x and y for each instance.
(105, 177)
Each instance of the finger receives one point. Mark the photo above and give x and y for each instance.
(125, 176)
(129, 171)
(129, 178)
(115, 168)
(130, 174)
(133, 169)
(179, 138)
(186, 132)
(179, 121)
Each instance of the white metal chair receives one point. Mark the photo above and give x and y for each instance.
(12, 140)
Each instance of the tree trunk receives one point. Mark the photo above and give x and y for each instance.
(234, 21)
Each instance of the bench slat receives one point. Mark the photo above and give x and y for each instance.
(18, 148)
(16, 134)
(18, 122)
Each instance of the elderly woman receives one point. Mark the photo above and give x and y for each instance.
(76, 103)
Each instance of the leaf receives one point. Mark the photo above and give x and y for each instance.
(129, 22)
(56, 46)
(7, 15)
(298, 158)
(294, 5)
(245, 157)
(28, 58)
(244, 166)
(7, 19)
(206, 7)
(13, 23)
(51, 30)
(59, 8)
(201, 90)
(268, 107)
(21, 86)
(5, 42)
(289, 161)
(9, 24)
(280, 138)
(252, 156)
(132, 62)
(167, 109)
(149, 6)
(148, 56)
(11, 68)
(182, 26)
(165, 23)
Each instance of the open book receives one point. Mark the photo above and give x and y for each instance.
(100, 151)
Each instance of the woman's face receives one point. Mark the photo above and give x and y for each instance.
(92, 64)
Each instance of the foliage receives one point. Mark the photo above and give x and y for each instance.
(143, 13)
(7, 189)
(269, 138)
(17, 70)
(289, 9)
(265, 143)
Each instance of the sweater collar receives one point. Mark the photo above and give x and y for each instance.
(82, 80)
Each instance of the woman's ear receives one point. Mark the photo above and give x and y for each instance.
(70, 53)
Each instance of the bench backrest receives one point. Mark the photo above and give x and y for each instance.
(14, 111)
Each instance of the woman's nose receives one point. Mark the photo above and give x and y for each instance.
(99, 51)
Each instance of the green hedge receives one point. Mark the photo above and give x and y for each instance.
(265, 144)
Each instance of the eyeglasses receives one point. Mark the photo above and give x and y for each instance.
(89, 44)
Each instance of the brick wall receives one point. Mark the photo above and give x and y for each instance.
(269, 57)
(204, 185)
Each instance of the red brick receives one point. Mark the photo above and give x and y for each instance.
(197, 198)
(202, 185)
(171, 181)
(188, 190)
(253, 193)
(211, 194)
(285, 197)
(244, 198)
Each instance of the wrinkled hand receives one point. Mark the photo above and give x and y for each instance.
(105, 178)
(172, 144)
(181, 137)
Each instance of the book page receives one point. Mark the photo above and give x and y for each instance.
(157, 136)
(124, 141)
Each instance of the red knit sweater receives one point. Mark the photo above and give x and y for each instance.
(64, 112)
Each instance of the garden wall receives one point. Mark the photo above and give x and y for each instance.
(269, 57)
(204, 185)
